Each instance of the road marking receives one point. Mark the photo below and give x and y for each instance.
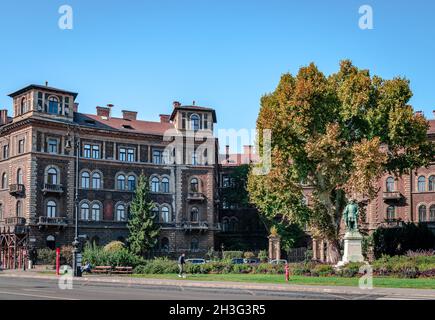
(35, 295)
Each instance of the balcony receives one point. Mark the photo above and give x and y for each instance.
(52, 188)
(392, 223)
(15, 221)
(52, 221)
(195, 196)
(394, 195)
(16, 189)
(194, 226)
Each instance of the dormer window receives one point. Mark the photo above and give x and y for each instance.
(53, 105)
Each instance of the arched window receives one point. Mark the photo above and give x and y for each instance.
(85, 180)
(194, 244)
(164, 244)
(20, 176)
(84, 211)
(432, 183)
(19, 209)
(194, 214)
(421, 184)
(422, 213)
(53, 105)
(96, 180)
(52, 176)
(131, 182)
(165, 185)
(155, 214)
(51, 209)
(96, 212)
(1, 211)
(23, 106)
(155, 184)
(391, 213)
(432, 213)
(51, 242)
(166, 218)
(234, 225)
(120, 182)
(390, 184)
(120, 212)
(225, 225)
(4, 180)
(194, 122)
(194, 185)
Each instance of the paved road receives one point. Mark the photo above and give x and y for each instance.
(47, 289)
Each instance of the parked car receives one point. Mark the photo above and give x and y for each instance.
(195, 261)
(278, 261)
(237, 261)
(251, 260)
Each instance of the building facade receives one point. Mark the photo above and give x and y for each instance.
(49, 150)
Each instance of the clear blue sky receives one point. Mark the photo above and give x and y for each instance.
(142, 55)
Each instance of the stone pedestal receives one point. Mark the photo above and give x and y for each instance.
(352, 248)
(274, 247)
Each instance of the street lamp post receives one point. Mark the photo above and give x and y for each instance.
(76, 243)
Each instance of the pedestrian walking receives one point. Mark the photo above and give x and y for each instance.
(181, 262)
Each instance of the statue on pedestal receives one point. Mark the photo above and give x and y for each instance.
(350, 216)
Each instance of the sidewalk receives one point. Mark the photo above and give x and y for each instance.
(399, 293)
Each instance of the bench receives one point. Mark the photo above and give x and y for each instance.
(123, 270)
(102, 269)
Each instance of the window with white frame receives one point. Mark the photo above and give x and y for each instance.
(432, 183)
(20, 176)
(52, 145)
(121, 212)
(165, 185)
(131, 183)
(96, 212)
(120, 182)
(51, 209)
(422, 217)
(96, 180)
(166, 215)
(155, 182)
(52, 176)
(84, 211)
(85, 180)
(390, 184)
(391, 213)
(194, 122)
(421, 184)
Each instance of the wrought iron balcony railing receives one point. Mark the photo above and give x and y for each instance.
(52, 221)
(392, 195)
(16, 189)
(52, 188)
(15, 221)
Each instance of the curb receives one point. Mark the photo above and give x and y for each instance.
(391, 292)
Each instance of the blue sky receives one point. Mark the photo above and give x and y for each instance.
(142, 55)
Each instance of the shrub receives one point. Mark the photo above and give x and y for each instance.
(262, 255)
(350, 270)
(248, 255)
(114, 246)
(46, 256)
(97, 256)
(300, 269)
(322, 270)
(398, 241)
(242, 268)
(227, 255)
(157, 266)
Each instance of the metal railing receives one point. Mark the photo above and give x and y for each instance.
(15, 221)
(195, 196)
(52, 221)
(16, 189)
(392, 195)
(48, 187)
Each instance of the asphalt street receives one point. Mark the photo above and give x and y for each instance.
(47, 289)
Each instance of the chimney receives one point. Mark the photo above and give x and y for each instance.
(103, 112)
(164, 118)
(46, 83)
(227, 153)
(419, 113)
(176, 104)
(3, 116)
(129, 115)
(76, 107)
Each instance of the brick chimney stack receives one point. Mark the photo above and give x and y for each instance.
(164, 118)
(176, 104)
(419, 113)
(129, 115)
(3, 116)
(104, 112)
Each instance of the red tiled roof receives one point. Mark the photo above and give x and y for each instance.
(139, 126)
(431, 126)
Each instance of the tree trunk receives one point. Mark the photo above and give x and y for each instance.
(334, 254)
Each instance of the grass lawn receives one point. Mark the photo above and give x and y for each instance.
(385, 282)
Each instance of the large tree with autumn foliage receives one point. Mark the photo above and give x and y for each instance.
(338, 134)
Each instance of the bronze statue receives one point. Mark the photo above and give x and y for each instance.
(350, 216)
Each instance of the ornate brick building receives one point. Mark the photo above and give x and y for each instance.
(38, 167)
